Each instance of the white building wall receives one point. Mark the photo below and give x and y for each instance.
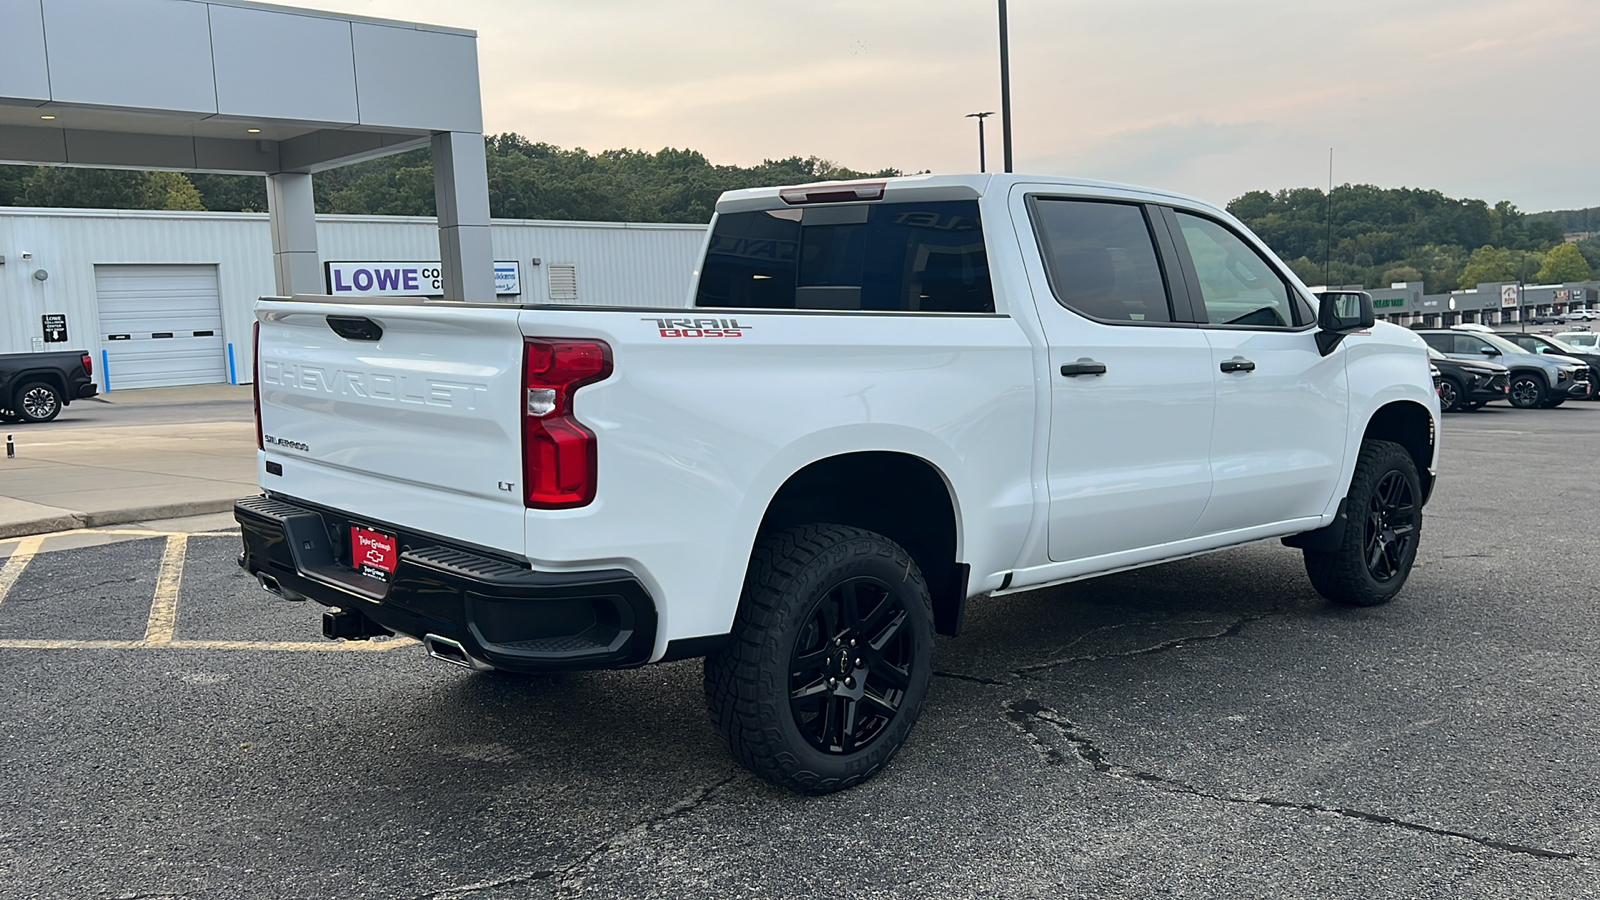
(619, 264)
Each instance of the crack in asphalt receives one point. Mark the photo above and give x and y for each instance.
(569, 880)
(1233, 630)
(977, 679)
(1032, 718)
(487, 885)
(1030, 671)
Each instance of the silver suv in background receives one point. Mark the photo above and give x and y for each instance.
(1538, 381)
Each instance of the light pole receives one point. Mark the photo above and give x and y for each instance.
(1005, 87)
(981, 155)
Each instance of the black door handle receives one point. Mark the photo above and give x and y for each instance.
(1084, 366)
(1238, 364)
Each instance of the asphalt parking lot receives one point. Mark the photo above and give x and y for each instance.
(1210, 728)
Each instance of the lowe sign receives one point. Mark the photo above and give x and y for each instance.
(401, 279)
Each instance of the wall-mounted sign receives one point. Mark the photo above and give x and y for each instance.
(1508, 296)
(402, 279)
(55, 328)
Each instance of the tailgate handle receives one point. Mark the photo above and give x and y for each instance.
(356, 328)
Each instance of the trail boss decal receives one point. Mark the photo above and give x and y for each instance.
(699, 328)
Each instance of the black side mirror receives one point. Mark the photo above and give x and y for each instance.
(1340, 313)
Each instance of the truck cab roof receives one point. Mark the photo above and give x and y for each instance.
(933, 187)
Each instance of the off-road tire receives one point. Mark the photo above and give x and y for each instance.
(1346, 575)
(1451, 394)
(38, 401)
(1531, 395)
(792, 575)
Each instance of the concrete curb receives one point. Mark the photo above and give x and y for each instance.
(113, 517)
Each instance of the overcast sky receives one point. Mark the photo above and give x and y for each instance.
(1495, 99)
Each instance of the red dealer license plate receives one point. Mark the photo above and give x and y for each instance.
(373, 553)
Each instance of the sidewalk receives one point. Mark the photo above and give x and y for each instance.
(148, 454)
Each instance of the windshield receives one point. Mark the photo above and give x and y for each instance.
(1434, 354)
(1562, 346)
(1587, 341)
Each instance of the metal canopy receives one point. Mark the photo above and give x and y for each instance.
(231, 86)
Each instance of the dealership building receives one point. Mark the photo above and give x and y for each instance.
(166, 298)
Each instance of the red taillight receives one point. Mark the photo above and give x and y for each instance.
(88, 365)
(558, 453)
(255, 378)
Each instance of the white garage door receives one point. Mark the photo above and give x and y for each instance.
(160, 325)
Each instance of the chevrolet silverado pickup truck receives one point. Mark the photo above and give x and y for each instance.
(885, 399)
(36, 387)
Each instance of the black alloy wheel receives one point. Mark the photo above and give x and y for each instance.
(38, 402)
(1379, 542)
(1450, 394)
(1527, 390)
(851, 666)
(828, 664)
(1391, 527)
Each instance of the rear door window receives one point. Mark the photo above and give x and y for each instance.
(906, 257)
(1101, 260)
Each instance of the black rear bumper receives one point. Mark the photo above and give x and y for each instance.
(500, 613)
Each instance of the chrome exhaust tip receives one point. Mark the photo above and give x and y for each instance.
(443, 648)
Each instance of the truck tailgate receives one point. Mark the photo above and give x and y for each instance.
(417, 427)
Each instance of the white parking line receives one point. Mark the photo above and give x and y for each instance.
(16, 562)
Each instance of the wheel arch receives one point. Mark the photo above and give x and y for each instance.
(49, 376)
(1410, 425)
(899, 495)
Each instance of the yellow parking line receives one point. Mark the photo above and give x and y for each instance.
(19, 559)
(288, 646)
(164, 608)
(119, 532)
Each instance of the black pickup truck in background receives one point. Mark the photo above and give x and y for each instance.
(35, 387)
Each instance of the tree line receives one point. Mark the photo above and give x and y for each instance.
(1372, 236)
(1361, 234)
(527, 180)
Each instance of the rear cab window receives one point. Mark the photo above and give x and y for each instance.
(1101, 260)
(887, 257)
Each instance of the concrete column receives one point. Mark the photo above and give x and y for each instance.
(461, 193)
(293, 212)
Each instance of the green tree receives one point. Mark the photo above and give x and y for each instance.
(1562, 264)
(232, 193)
(1399, 274)
(11, 184)
(170, 190)
(1488, 264)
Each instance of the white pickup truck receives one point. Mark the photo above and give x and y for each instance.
(888, 398)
